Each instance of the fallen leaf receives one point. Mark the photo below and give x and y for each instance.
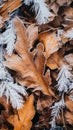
(69, 103)
(22, 62)
(22, 121)
(69, 59)
(50, 43)
(55, 60)
(69, 117)
(8, 7)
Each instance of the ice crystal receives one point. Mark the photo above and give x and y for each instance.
(69, 34)
(12, 92)
(9, 38)
(56, 109)
(42, 13)
(64, 79)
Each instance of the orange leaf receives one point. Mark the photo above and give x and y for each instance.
(25, 115)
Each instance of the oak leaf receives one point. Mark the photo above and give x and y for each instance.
(23, 63)
(22, 121)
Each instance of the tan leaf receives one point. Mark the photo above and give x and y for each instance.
(22, 62)
(25, 115)
(50, 42)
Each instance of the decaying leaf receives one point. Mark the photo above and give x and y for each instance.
(22, 62)
(22, 121)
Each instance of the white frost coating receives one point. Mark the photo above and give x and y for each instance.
(64, 78)
(59, 33)
(9, 38)
(12, 92)
(42, 13)
(56, 109)
(69, 34)
(27, 2)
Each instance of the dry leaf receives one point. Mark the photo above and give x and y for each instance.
(69, 103)
(69, 59)
(55, 60)
(69, 117)
(22, 121)
(50, 43)
(32, 32)
(23, 64)
(8, 7)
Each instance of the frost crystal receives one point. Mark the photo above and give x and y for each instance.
(42, 13)
(64, 78)
(69, 34)
(56, 109)
(9, 38)
(28, 2)
(12, 92)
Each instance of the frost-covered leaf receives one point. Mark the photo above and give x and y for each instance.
(12, 92)
(64, 78)
(69, 34)
(28, 2)
(43, 14)
(55, 113)
(9, 38)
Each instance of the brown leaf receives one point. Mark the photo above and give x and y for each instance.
(55, 60)
(25, 115)
(69, 103)
(50, 43)
(22, 62)
(8, 7)
(69, 117)
(39, 58)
